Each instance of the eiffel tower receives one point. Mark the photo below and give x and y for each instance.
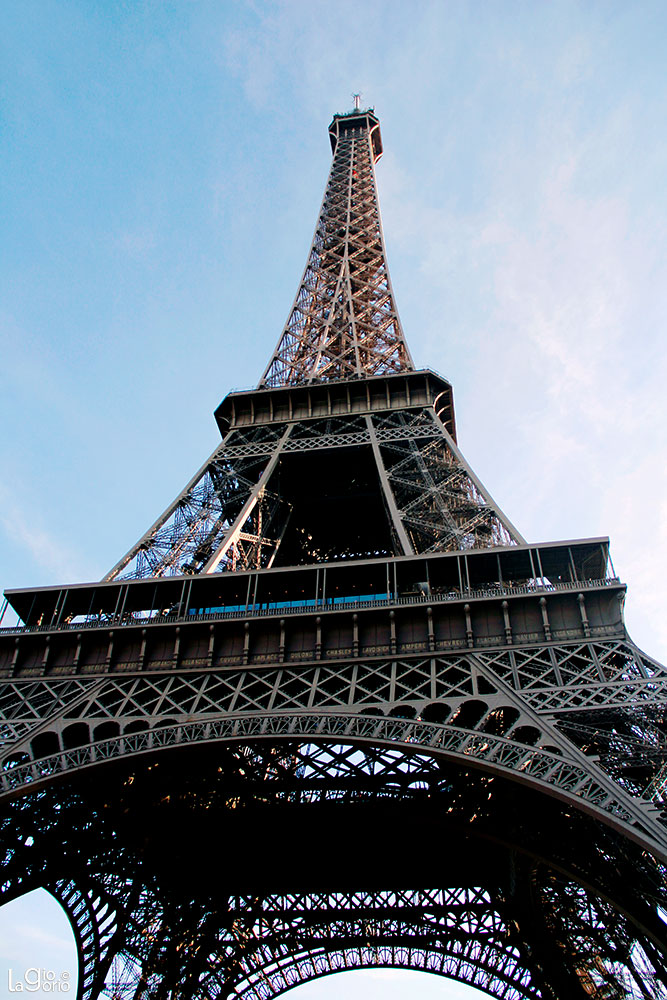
(332, 710)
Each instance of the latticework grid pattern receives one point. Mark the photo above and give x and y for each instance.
(344, 322)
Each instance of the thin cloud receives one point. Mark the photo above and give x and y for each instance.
(138, 245)
(551, 306)
(44, 547)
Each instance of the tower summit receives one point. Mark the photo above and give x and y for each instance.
(344, 323)
(344, 451)
(332, 710)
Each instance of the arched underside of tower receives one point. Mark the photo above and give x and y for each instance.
(249, 866)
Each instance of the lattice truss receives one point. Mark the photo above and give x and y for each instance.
(622, 966)
(271, 944)
(600, 704)
(344, 322)
(93, 915)
(441, 503)
(530, 933)
(586, 720)
(231, 516)
(224, 518)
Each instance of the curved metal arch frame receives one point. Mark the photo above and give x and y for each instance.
(274, 943)
(94, 923)
(458, 955)
(254, 927)
(260, 966)
(568, 780)
(267, 968)
(337, 962)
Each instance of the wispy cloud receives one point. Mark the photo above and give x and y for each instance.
(138, 244)
(551, 301)
(42, 545)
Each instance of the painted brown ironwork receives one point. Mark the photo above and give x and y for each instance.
(236, 512)
(344, 323)
(332, 711)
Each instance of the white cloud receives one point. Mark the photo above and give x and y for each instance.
(550, 300)
(43, 546)
(137, 244)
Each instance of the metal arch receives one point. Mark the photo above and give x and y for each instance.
(271, 943)
(316, 964)
(475, 945)
(584, 689)
(94, 921)
(571, 780)
(243, 940)
(553, 690)
(456, 933)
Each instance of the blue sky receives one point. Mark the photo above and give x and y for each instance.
(163, 163)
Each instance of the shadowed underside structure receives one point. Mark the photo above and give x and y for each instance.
(332, 711)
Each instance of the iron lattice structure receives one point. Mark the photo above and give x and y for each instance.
(344, 322)
(332, 711)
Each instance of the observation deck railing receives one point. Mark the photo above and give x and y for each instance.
(300, 607)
